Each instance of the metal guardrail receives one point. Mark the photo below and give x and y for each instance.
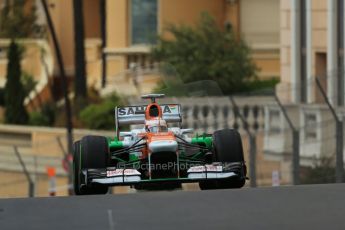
(34, 164)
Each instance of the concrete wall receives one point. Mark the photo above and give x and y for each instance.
(39, 149)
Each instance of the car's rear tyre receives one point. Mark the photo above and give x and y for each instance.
(93, 154)
(227, 148)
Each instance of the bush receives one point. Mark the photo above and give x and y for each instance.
(28, 83)
(207, 52)
(262, 87)
(19, 21)
(46, 117)
(38, 119)
(100, 116)
(14, 93)
(322, 172)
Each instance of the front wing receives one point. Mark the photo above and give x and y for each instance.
(120, 176)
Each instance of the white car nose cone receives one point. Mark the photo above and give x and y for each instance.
(163, 146)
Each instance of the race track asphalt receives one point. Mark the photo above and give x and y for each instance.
(298, 207)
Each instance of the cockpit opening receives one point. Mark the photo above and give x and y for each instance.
(157, 129)
(153, 111)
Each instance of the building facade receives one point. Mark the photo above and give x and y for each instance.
(118, 36)
(127, 45)
(311, 50)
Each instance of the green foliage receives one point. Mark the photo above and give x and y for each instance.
(38, 119)
(206, 52)
(2, 97)
(262, 87)
(263, 84)
(322, 172)
(45, 117)
(100, 116)
(18, 21)
(28, 83)
(14, 91)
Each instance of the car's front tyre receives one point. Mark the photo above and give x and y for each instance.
(92, 152)
(227, 148)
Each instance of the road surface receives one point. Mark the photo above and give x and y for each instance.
(298, 207)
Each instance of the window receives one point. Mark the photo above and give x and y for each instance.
(143, 21)
(274, 121)
(310, 126)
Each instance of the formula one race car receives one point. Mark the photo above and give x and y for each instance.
(157, 156)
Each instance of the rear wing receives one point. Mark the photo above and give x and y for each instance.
(130, 115)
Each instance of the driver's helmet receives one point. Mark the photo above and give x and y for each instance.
(156, 125)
